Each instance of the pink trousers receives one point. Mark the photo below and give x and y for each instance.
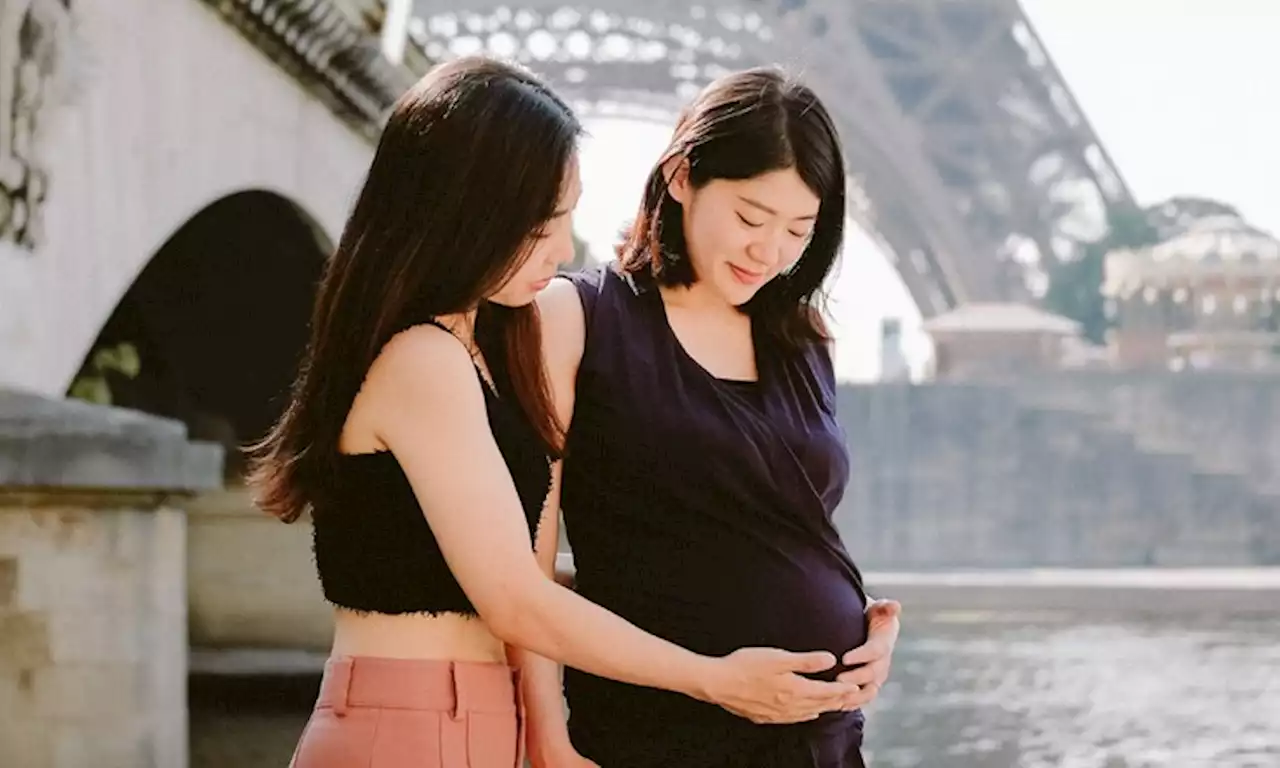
(409, 713)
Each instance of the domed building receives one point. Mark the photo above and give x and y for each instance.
(1204, 297)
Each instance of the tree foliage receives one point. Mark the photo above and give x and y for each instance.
(92, 384)
(1075, 286)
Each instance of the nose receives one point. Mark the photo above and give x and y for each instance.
(768, 251)
(566, 252)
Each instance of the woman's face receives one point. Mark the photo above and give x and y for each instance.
(742, 234)
(549, 248)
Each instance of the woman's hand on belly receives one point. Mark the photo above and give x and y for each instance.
(873, 658)
(765, 685)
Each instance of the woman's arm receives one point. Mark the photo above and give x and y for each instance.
(546, 731)
(563, 342)
(429, 410)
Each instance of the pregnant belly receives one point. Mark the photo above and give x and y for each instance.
(814, 609)
(717, 606)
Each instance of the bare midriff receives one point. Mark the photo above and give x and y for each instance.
(444, 636)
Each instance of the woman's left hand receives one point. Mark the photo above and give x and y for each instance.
(875, 655)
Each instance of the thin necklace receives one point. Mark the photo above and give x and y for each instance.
(472, 348)
(477, 358)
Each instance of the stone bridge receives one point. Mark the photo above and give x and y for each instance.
(175, 170)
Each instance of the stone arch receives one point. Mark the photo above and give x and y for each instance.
(129, 156)
(216, 319)
(657, 56)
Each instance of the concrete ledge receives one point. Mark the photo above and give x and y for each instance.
(1166, 592)
(51, 443)
(256, 662)
(1263, 578)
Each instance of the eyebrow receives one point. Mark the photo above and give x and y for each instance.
(770, 211)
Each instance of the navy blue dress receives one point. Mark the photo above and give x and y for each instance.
(700, 510)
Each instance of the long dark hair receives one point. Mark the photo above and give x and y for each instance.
(740, 126)
(471, 163)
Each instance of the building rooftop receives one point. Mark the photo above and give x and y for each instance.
(1001, 318)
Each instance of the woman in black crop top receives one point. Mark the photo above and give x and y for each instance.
(421, 439)
(704, 460)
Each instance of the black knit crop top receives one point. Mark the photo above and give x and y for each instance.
(374, 550)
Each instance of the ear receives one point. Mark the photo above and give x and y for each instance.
(676, 171)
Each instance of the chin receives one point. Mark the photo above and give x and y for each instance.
(737, 295)
(513, 301)
(735, 292)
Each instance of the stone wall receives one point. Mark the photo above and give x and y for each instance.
(1228, 421)
(1064, 470)
(93, 620)
(253, 581)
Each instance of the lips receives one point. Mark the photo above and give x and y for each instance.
(746, 277)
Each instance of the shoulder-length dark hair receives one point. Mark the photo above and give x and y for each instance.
(471, 163)
(740, 126)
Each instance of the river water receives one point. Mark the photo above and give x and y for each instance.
(968, 690)
(1033, 691)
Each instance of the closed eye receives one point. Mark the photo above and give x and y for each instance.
(748, 222)
(800, 235)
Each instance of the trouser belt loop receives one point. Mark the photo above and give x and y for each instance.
(458, 686)
(342, 672)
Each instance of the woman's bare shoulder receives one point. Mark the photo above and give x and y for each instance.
(564, 323)
(422, 366)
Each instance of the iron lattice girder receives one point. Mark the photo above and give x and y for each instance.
(944, 230)
(881, 170)
(1002, 128)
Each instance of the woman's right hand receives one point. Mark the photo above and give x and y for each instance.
(765, 685)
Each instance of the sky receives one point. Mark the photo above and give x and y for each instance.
(1184, 94)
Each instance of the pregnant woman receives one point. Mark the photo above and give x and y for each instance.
(704, 458)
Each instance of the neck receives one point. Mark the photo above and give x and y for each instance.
(699, 297)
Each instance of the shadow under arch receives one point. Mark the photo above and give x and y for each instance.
(219, 319)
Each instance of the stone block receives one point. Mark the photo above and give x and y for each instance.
(24, 743)
(163, 673)
(86, 692)
(87, 635)
(16, 531)
(165, 565)
(125, 542)
(103, 744)
(35, 584)
(24, 640)
(8, 582)
(17, 693)
(76, 582)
